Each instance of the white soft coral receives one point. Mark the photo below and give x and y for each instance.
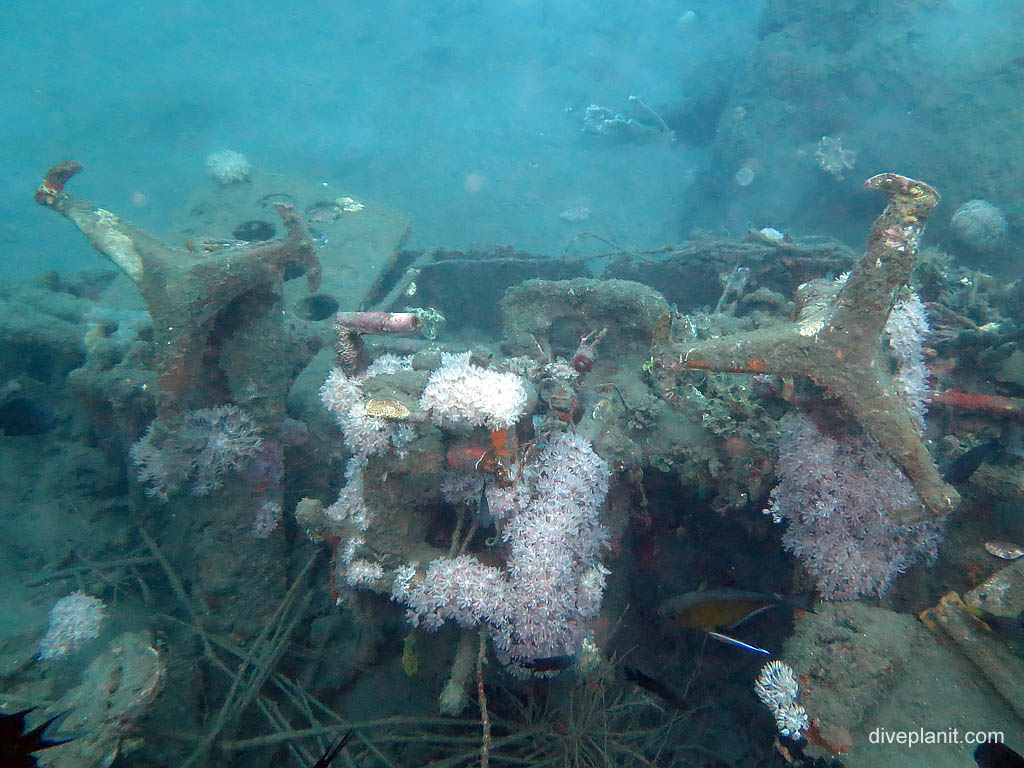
(460, 394)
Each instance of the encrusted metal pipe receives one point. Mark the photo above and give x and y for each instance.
(379, 322)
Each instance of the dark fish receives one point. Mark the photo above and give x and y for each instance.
(995, 754)
(1011, 441)
(17, 744)
(332, 752)
(655, 686)
(1012, 627)
(716, 609)
(483, 509)
(967, 463)
(549, 663)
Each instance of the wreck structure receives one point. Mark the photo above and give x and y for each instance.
(500, 482)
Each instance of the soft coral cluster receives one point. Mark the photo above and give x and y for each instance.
(74, 620)
(906, 329)
(540, 605)
(460, 394)
(838, 496)
(364, 435)
(201, 448)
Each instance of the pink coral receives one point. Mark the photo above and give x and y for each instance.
(203, 447)
(907, 328)
(540, 605)
(364, 435)
(460, 589)
(266, 520)
(838, 495)
(226, 438)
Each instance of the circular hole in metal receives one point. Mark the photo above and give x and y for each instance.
(323, 212)
(254, 231)
(294, 269)
(319, 306)
(22, 416)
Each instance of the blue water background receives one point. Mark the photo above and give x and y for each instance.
(393, 101)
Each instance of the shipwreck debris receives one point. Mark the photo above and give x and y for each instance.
(842, 355)
(207, 308)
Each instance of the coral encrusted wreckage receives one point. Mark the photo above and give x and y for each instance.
(838, 350)
(545, 501)
(205, 303)
(518, 488)
(224, 361)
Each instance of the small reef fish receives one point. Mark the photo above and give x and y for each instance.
(17, 745)
(728, 640)
(1010, 442)
(483, 509)
(995, 754)
(332, 752)
(388, 409)
(716, 609)
(1004, 549)
(960, 471)
(655, 686)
